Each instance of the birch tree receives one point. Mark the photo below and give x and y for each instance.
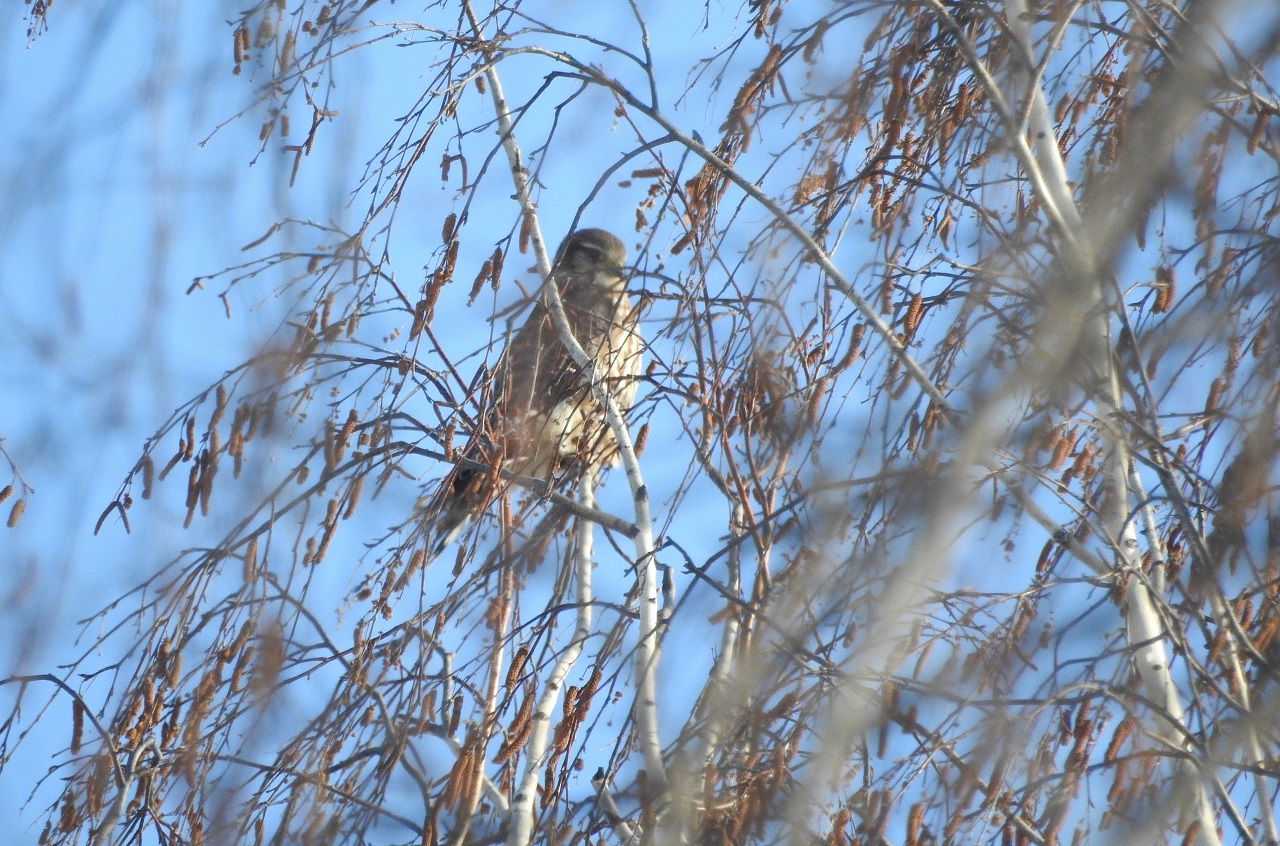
(945, 512)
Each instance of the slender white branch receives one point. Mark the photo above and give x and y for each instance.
(1052, 170)
(646, 703)
(1145, 629)
(520, 832)
(1057, 203)
(102, 834)
(727, 660)
(1249, 725)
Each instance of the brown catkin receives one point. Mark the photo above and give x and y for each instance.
(517, 666)
(251, 559)
(486, 271)
(451, 260)
(1083, 458)
(523, 719)
(173, 670)
(77, 725)
(1118, 738)
(242, 637)
(455, 714)
(589, 690)
(1062, 447)
(67, 815)
(1266, 633)
(855, 346)
(5, 492)
(15, 513)
(331, 455)
(241, 46)
(494, 472)
(286, 50)
(219, 407)
(817, 393)
(419, 322)
(915, 818)
(526, 228)
(1166, 287)
(148, 475)
(570, 700)
(548, 794)
(348, 429)
(642, 438)
(1215, 394)
(496, 260)
(353, 496)
(1255, 134)
(242, 664)
(458, 778)
(206, 481)
(911, 321)
(563, 734)
(415, 562)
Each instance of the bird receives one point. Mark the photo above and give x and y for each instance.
(542, 421)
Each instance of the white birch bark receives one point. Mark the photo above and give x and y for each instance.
(646, 701)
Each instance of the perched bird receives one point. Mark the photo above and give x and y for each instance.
(542, 421)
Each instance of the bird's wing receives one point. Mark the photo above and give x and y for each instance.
(542, 415)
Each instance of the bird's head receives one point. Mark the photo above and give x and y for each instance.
(595, 252)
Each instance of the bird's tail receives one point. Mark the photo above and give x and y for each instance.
(453, 511)
(447, 530)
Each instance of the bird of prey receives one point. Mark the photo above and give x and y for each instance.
(542, 421)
